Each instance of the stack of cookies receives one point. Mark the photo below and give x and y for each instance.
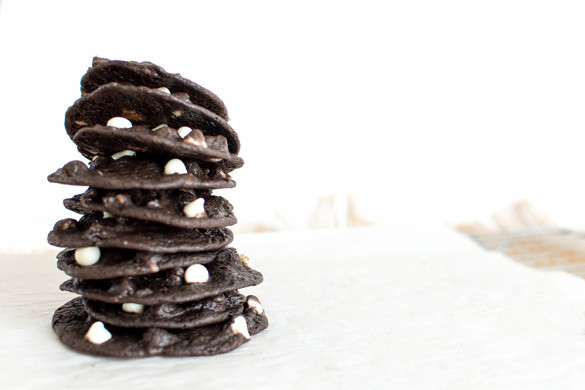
(149, 255)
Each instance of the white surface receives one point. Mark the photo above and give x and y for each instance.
(373, 309)
(443, 109)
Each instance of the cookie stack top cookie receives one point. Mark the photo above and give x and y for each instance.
(149, 255)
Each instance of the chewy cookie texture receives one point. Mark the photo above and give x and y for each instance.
(149, 254)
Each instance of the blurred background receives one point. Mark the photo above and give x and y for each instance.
(349, 113)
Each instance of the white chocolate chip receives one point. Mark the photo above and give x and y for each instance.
(122, 198)
(153, 266)
(175, 166)
(196, 138)
(108, 215)
(94, 158)
(97, 333)
(160, 126)
(240, 326)
(133, 308)
(222, 174)
(119, 122)
(255, 305)
(164, 89)
(196, 273)
(177, 113)
(184, 131)
(195, 209)
(123, 153)
(87, 256)
(246, 261)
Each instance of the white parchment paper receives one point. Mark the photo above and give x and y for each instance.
(362, 308)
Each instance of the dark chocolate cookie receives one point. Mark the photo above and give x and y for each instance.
(147, 107)
(104, 71)
(115, 263)
(71, 324)
(164, 141)
(149, 255)
(93, 230)
(178, 208)
(170, 315)
(227, 273)
(133, 172)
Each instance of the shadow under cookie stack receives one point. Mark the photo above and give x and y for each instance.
(149, 255)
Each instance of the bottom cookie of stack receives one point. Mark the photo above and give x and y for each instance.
(72, 325)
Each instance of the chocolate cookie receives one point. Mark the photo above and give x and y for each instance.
(133, 172)
(71, 324)
(93, 230)
(147, 107)
(104, 71)
(180, 208)
(115, 263)
(149, 255)
(162, 141)
(170, 315)
(225, 274)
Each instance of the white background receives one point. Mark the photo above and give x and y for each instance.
(422, 110)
